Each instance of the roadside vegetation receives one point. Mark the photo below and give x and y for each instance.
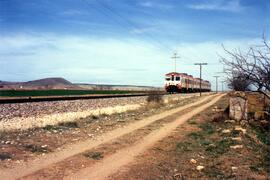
(226, 149)
(55, 92)
(209, 146)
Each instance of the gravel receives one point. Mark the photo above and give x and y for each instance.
(21, 116)
(9, 111)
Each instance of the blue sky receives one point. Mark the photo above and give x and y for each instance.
(123, 41)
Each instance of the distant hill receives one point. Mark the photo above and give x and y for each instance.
(61, 83)
(118, 87)
(47, 83)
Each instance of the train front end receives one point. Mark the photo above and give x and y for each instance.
(172, 82)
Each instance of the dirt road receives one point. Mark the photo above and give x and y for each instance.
(97, 171)
(125, 156)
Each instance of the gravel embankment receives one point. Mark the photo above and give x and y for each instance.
(39, 114)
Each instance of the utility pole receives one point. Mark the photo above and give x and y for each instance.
(223, 85)
(216, 83)
(200, 64)
(175, 57)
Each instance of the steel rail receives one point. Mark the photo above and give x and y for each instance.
(11, 100)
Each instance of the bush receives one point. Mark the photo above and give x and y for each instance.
(154, 98)
(4, 156)
(94, 155)
(69, 124)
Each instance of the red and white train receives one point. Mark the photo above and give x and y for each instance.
(182, 82)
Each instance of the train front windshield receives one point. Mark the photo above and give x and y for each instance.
(172, 78)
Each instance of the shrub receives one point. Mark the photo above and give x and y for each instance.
(94, 155)
(69, 124)
(4, 156)
(155, 98)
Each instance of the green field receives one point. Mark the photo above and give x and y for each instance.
(27, 93)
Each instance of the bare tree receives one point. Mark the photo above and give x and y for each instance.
(239, 82)
(251, 66)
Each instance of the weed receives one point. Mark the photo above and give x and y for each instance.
(56, 92)
(4, 156)
(155, 98)
(94, 155)
(219, 117)
(192, 121)
(69, 124)
(261, 134)
(94, 117)
(204, 142)
(265, 163)
(49, 127)
(184, 146)
(220, 147)
(214, 172)
(235, 133)
(196, 135)
(35, 148)
(207, 128)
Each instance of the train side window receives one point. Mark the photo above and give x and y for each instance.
(177, 78)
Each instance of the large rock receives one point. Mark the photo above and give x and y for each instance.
(238, 106)
(261, 115)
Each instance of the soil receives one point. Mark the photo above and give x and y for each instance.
(140, 145)
(40, 147)
(202, 139)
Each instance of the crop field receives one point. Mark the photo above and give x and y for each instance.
(26, 93)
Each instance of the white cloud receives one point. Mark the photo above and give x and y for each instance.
(142, 30)
(97, 60)
(151, 4)
(73, 12)
(218, 5)
(81, 59)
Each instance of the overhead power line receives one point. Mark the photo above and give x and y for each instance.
(124, 22)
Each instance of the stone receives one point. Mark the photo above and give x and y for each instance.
(234, 168)
(199, 168)
(238, 106)
(226, 131)
(193, 161)
(236, 147)
(238, 128)
(260, 115)
(178, 176)
(237, 139)
(229, 121)
(265, 122)
(121, 120)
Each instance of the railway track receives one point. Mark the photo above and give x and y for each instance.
(9, 100)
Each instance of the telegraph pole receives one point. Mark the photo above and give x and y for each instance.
(175, 57)
(223, 85)
(200, 64)
(216, 83)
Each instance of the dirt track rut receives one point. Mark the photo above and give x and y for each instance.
(71, 150)
(113, 163)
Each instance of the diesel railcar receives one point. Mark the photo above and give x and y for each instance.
(182, 82)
